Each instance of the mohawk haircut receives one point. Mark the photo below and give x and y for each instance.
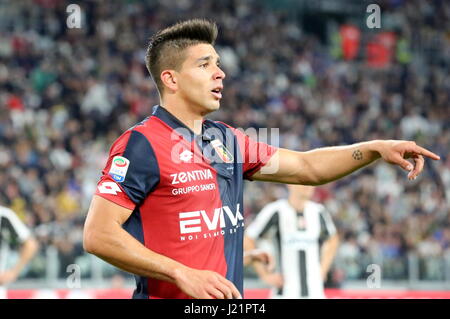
(166, 49)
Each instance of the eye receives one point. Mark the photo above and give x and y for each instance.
(204, 65)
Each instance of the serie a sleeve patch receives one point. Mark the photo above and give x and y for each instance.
(119, 168)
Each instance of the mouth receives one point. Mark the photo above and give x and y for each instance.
(217, 92)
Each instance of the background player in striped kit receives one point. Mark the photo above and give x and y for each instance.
(305, 242)
(13, 233)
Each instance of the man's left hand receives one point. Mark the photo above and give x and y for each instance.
(257, 255)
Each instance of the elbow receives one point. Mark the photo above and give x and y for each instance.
(100, 239)
(87, 244)
(337, 241)
(90, 243)
(34, 246)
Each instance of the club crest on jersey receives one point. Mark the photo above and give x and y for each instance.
(222, 151)
(119, 168)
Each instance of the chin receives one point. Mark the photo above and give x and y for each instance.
(211, 107)
(216, 106)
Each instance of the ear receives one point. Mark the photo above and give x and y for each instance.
(169, 79)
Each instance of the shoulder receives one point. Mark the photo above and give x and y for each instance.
(6, 212)
(15, 222)
(218, 125)
(137, 133)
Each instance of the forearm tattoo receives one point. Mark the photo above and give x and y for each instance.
(357, 155)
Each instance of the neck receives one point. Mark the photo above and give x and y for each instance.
(297, 203)
(185, 113)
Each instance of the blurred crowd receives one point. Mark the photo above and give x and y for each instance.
(67, 94)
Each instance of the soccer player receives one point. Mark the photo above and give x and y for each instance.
(168, 207)
(13, 233)
(298, 226)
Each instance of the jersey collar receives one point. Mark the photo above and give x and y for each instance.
(168, 118)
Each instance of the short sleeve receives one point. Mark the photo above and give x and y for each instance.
(327, 226)
(131, 171)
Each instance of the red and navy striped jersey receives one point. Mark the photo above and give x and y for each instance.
(186, 193)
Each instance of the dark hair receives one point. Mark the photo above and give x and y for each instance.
(166, 49)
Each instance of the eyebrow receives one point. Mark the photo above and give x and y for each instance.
(206, 58)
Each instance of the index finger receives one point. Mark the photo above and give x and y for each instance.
(422, 151)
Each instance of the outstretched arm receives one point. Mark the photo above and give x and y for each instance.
(324, 165)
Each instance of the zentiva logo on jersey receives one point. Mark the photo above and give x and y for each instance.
(183, 177)
(119, 168)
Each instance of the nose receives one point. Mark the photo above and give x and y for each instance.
(219, 74)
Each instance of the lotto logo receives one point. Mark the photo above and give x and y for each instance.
(109, 188)
(186, 156)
